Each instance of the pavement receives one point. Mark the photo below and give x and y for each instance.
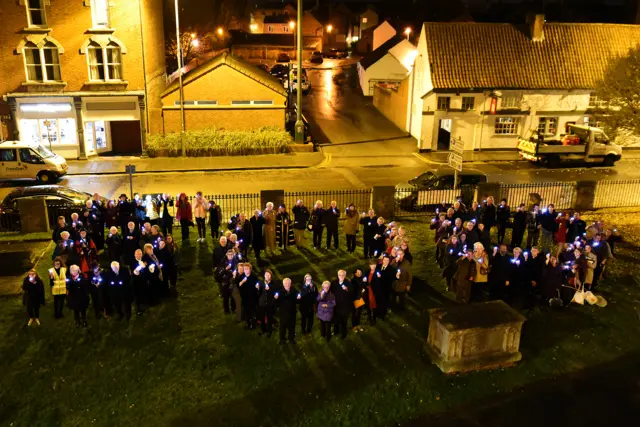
(116, 165)
(17, 259)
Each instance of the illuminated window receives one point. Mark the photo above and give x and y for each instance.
(444, 102)
(506, 125)
(511, 101)
(42, 64)
(364, 20)
(49, 131)
(36, 15)
(548, 125)
(105, 63)
(468, 103)
(100, 13)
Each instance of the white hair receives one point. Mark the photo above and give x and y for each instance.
(269, 204)
(478, 246)
(286, 280)
(74, 269)
(307, 276)
(115, 264)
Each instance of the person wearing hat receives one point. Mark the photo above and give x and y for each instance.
(124, 211)
(301, 217)
(284, 232)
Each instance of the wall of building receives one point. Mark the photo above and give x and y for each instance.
(387, 68)
(393, 103)
(224, 118)
(264, 53)
(381, 34)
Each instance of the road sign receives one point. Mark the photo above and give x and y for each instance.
(455, 161)
(130, 169)
(456, 146)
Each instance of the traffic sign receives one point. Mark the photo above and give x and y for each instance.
(456, 146)
(455, 162)
(130, 168)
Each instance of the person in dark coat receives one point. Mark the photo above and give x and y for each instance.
(247, 283)
(534, 264)
(266, 303)
(301, 216)
(98, 291)
(489, 214)
(111, 214)
(471, 233)
(379, 238)
(33, 296)
(326, 309)
(548, 226)
(257, 237)
(284, 230)
(372, 291)
(499, 272)
(464, 277)
(402, 282)
(118, 282)
(452, 254)
(515, 285)
(220, 252)
(286, 299)
(330, 221)
(503, 214)
(385, 276)
(78, 292)
(215, 219)
(357, 290)
(131, 239)
(125, 211)
(114, 245)
(316, 224)
(519, 226)
(475, 213)
(344, 303)
(225, 274)
(140, 282)
(59, 228)
(551, 279)
(155, 278)
(369, 226)
(65, 249)
(576, 228)
(309, 294)
(532, 222)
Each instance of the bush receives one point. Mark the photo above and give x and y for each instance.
(221, 142)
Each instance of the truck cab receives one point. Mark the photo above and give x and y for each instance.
(24, 160)
(580, 143)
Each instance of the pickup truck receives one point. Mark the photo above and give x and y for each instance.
(582, 143)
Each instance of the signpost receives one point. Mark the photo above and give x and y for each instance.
(130, 169)
(456, 151)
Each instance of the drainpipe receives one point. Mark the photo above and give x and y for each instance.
(482, 120)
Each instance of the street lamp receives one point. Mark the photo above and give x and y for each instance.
(407, 31)
(180, 87)
(253, 27)
(329, 28)
(292, 24)
(299, 127)
(220, 31)
(195, 42)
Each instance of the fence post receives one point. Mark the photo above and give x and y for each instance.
(34, 216)
(487, 189)
(585, 195)
(274, 196)
(383, 201)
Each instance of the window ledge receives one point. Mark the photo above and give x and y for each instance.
(100, 31)
(36, 30)
(44, 86)
(106, 85)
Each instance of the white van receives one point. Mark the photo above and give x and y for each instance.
(24, 160)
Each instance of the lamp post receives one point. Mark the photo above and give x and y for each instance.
(407, 32)
(179, 57)
(299, 125)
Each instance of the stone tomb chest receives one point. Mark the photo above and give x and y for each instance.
(474, 337)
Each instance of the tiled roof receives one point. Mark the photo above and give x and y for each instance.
(372, 57)
(225, 58)
(480, 55)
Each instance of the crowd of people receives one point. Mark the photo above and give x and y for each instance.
(562, 254)
(133, 240)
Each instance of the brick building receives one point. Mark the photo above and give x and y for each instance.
(81, 76)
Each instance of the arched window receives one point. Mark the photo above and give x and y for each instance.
(42, 63)
(105, 62)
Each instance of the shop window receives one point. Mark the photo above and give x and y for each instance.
(42, 63)
(105, 63)
(49, 132)
(506, 125)
(468, 103)
(36, 15)
(548, 126)
(100, 13)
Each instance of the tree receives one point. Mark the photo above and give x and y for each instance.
(619, 91)
(191, 43)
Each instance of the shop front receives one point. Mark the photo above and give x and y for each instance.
(108, 124)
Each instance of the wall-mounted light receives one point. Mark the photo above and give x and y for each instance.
(46, 108)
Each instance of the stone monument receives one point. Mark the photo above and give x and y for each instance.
(474, 337)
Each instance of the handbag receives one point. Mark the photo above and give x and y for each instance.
(590, 298)
(578, 297)
(358, 303)
(556, 302)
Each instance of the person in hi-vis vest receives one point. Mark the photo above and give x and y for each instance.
(58, 276)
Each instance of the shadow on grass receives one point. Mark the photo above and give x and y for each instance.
(604, 395)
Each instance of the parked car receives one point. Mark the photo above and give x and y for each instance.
(279, 71)
(316, 58)
(335, 54)
(432, 186)
(29, 160)
(283, 57)
(306, 84)
(53, 195)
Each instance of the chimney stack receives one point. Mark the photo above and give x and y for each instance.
(536, 24)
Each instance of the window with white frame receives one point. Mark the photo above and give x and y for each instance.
(250, 102)
(105, 63)
(547, 126)
(511, 101)
(506, 125)
(100, 13)
(42, 63)
(595, 101)
(285, 28)
(444, 102)
(468, 103)
(36, 14)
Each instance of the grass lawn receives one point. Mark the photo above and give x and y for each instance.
(185, 363)
(16, 236)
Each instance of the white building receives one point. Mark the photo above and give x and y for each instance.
(490, 83)
(382, 33)
(391, 62)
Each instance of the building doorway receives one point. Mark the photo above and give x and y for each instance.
(97, 137)
(126, 137)
(444, 134)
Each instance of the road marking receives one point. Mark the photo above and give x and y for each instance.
(324, 163)
(429, 162)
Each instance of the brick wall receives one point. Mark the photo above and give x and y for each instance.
(242, 119)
